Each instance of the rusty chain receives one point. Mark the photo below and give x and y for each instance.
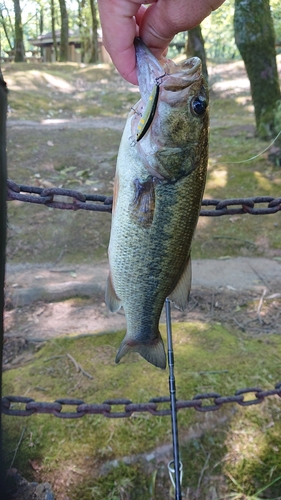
(100, 203)
(107, 407)
(45, 196)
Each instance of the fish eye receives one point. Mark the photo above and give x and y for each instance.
(198, 105)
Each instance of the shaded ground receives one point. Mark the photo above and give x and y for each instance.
(45, 302)
(64, 130)
(68, 136)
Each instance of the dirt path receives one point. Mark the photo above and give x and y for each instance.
(48, 301)
(27, 284)
(69, 123)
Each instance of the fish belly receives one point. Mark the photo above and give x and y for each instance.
(149, 246)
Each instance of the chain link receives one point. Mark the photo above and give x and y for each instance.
(45, 196)
(79, 201)
(128, 407)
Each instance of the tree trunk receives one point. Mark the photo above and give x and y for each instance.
(195, 47)
(53, 19)
(3, 223)
(41, 26)
(94, 44)
(19, 46)
(80, 22)
(64, 32)
(3, 23)
(255, 39)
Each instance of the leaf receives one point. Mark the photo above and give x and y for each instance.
(83, 173)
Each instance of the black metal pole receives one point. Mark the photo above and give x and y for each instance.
(172, 388)
(3, 222)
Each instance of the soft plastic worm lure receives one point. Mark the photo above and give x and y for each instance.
(149, 111)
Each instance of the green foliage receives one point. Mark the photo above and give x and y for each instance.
(218, 33)
(217, 29)
(276, 15)
(31, 12)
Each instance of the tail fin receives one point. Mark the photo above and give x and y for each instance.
(154, 352)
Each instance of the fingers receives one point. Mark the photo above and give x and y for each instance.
(157, 24)
(119, 30)
(164, 19)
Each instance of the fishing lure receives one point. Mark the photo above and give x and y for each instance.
(150, 109)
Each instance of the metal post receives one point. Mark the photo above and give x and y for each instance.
(3, 222)
(177, 469)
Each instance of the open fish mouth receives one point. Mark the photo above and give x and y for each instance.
(184, 75)
(171, 76)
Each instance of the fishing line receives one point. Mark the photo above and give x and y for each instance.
(253, 157)
(175, 470)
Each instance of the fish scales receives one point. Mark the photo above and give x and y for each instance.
(158, 189)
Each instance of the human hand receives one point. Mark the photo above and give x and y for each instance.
(156, 25)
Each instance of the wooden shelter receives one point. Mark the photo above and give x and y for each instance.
(46, 43)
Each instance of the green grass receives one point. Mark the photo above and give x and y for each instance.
(209, 358)
(81, 236)
(232, 139)
(60, 91)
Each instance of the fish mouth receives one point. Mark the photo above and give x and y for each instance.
(144, 55)
(171, 76)
(183, 75)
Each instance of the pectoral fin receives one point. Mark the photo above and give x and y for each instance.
(144, 201)
(180, 294)
(112, 301)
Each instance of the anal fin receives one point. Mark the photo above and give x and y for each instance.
(112, 301)
(180, 294)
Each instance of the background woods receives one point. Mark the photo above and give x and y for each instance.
(22, 21)
(64, 126)
(58, 24)
(64, 31)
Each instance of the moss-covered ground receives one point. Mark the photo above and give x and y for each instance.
(239, 443)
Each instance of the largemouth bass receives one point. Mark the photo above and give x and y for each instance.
(159, 183)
